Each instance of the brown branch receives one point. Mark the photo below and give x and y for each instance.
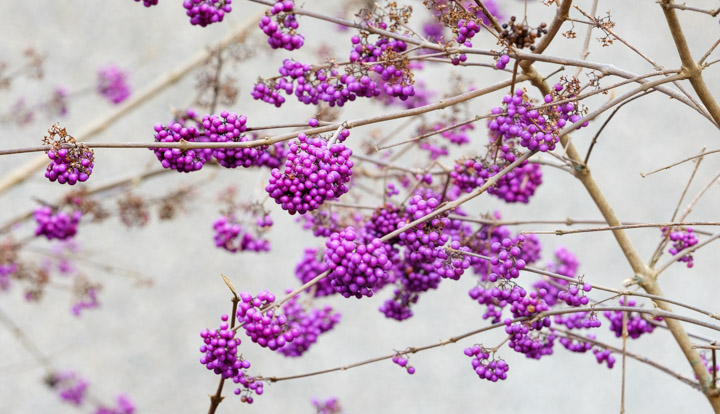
(625, 226)
(692, 68)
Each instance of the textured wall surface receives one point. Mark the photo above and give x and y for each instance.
(144, 340)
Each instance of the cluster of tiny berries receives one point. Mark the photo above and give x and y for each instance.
(505, 257)
(309, 325)
(233, 237)
(322, 223)
(70, 386)
(205, 12)
(603, 355)
(281, 30)
(313, 173)
(402, 361)
(533, 129)
(636, 325)
(58, 225)
(496, 298)
(398, 307)
(113, 84)
(525, 341)
(682, 239)
(356, 268)
(221, 356)
(228, 127)
(175, 158)
(148, 3)
(264, 328)
(517, 186)
(311, 265)
(492, 370)
(67, 165)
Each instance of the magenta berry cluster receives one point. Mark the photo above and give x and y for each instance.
(423, 239)
(69, 166)
(578, 320)
(329, 406)
(636, 325)
(233, 237)
(70, 162)
(402, 361)
(205, 12)
(123, 405)
(682, 239)
(221, 356)
(281, 30)
(262, 325)
(576, 345)
(496, 298)
(309, 325)
(228, 127)
(603, 355)
(311, 265)
(502, 62)
(517, 186)
(314, 172)
(113, 83)
(488, 369)
(175, 158)
(148, 3)
(398, 307)
(524, 340)
(70, 386)
(356, 268)
(56, 225)
(322, 223)
(506, 259)
(535, 129)
(466, 30)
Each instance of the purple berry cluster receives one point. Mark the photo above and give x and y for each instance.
(565, 264)
(123, 405)
(323, 223)
(309, 325)
(71, 387)
(524, 340)
(264, 327)
(228, 127)
(519, 122)
(466, 30)
(58, 225)
(576, 345)
(422, 240)
(682, 239)
(311, 265)
(502, 62)
(517, 186)
(329, 406)
(505, 257)
(402, 361)
(113, 84)
(175, 158)
(221, 356)
(313, 173)
(603, 355)
(578, 320)
(148, 3)
(281, 31)
(357, 268)
(88, 300)
(398, 307)
(67, 165)
(496, 298)
(492, 370)
(205, 12)
(636, 325)
(233, 237)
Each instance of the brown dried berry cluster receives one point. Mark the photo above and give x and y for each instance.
(520, 35)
